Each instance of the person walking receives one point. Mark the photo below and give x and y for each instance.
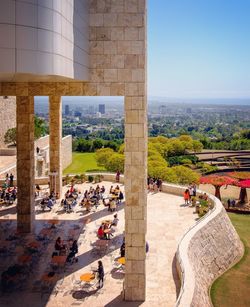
(100, 272)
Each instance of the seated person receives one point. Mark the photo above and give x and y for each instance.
(88, 205)
(205, 197)
(111, 190)
(59, 246)
(117, 190)
(102, 191)
(100, 232)
(50, 203)
(115, 221)
(73, 251)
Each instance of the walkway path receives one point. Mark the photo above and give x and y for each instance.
(168, 219)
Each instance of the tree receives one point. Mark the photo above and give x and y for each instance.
(185, 175)
(243, 177)
(244, 184)
(102, 156)
(10, 136)
(217, 182)
(115, 162)
(40, 127)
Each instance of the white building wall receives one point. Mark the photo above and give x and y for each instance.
(45, 38)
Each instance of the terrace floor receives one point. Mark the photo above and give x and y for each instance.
(168, 219)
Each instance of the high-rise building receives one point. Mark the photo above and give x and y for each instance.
(102, 108)
(66, 111)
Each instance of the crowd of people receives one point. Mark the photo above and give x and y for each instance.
(154, 184)
(8, 192)
(190, 194)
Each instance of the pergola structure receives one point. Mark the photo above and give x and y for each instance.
(111, 62)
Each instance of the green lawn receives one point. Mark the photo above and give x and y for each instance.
(232, 288)
(81, 163)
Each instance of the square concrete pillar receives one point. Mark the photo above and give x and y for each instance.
(55, 143)
(25, 162)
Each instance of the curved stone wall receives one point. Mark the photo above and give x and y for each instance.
(207, 250)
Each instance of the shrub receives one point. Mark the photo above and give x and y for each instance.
(90, 178)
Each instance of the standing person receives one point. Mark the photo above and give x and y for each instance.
(7, 180)
(100, 272)
(117, 177)
(228, 203)
(11, 180)
(186, 196)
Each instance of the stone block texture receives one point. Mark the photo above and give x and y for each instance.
(25, 162)
(211, 252)
(204, 253)
(7, 116)
(66, 151)
(118, 67)
(55, 143)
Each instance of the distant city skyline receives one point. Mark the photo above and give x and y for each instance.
(199, 49)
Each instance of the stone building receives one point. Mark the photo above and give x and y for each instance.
(7, 116)
(85, 48)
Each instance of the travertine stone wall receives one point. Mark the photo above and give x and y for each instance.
(118, 67)
(7, 116)
(55, 143)
(211, 251)
(66, 151)
(25, 162)
(205, 252)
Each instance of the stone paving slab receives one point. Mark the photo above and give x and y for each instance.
(168, 219)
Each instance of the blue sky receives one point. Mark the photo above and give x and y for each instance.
(199, 48)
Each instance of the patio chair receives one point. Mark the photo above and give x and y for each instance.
(58, 287)
(76, 284)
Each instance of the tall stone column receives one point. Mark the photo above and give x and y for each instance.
(55, 143)
(136, 197)
(25, 162)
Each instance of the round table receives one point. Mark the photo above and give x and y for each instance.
(121, 260)
(87, 277)
(107, 231)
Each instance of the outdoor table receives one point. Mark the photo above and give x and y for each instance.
(72, 233)
(121, 260)
(24, 259)
(107, 222)
(45, 232)
(53, 222)
(34, 244)
(87, 277)
(108, 230)
(60, 260)
(113, 196)
(48, 279)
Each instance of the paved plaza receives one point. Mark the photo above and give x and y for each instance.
(168, 219)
